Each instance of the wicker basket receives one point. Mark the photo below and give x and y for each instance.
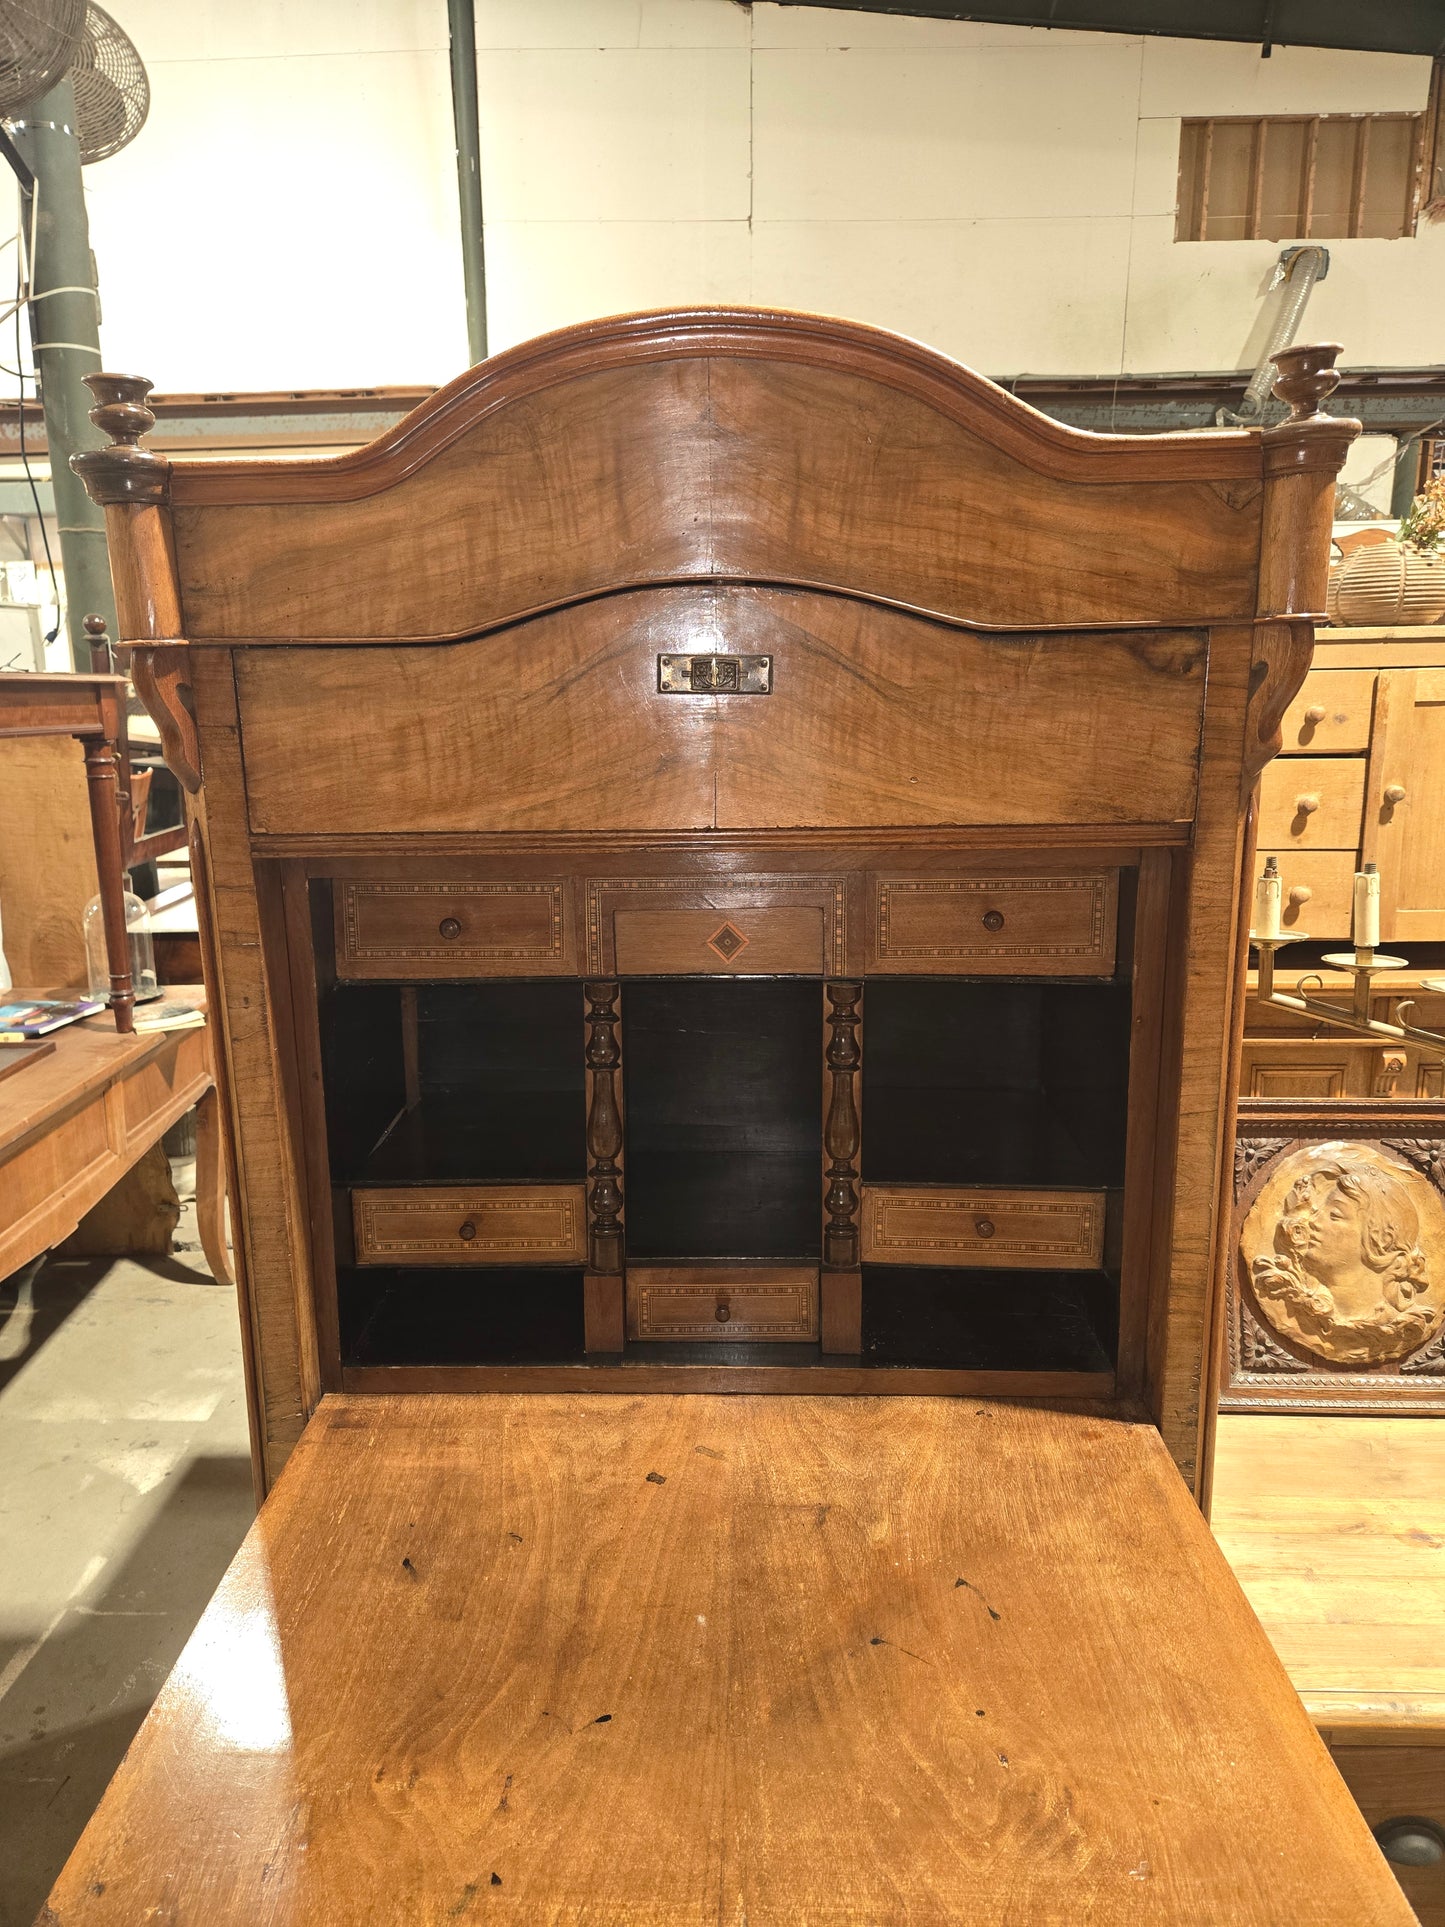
(1382, 585)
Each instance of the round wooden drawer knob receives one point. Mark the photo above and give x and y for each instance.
(1394, 792)
(467, 1232)
(984, 1227)
(1301, 893)
(1408, 1842)
(1316, 713)
(449, 928)
(993, 919)
(1306, 805)
(724, 1311)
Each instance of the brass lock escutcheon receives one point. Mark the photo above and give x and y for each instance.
(715, 675)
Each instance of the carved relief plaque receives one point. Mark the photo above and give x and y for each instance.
(1343, 1254)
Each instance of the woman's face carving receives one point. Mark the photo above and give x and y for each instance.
(1334, 1257)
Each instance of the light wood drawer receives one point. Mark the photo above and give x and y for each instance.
(1311, 803)
(1331, 713)
(722, 1303)
(504, 929)
(1392, 1783)
(499, 1224)
(929, 1224)
(1328, 876)
(1014, 926)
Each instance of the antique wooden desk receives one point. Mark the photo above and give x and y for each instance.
(723, 838)
(75, 1121)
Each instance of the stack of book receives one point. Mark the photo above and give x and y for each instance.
(23, 1023)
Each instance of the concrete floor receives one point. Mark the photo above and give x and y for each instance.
(125, 1488)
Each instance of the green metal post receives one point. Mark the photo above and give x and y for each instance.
(461, 18)
(65, 337)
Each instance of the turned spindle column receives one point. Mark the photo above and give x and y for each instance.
(102, 773)
(842, 1281)
(602, 1285)
(132, 484)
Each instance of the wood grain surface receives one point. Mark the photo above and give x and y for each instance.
(875, 718)
(1336, 1528)
(672, 1660)
(809, 452)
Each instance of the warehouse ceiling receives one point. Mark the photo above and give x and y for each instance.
(1376, 26)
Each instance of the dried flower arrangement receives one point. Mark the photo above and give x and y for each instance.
(1423, 523)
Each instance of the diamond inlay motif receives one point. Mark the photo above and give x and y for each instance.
(727, 942)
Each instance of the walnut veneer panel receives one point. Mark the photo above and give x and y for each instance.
(724, 1303)
(702, 1659)
(558, 724)
(498, 929)
(1016, 926)
(500, 1224)
(926, 1224)
(758, 468)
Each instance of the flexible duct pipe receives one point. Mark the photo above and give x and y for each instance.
(1297, 271)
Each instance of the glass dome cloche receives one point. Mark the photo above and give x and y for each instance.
(142, 948)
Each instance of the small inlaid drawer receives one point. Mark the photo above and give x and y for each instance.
(722, 1303)
(1013, 926)
(1311, 802)
(935, 1224)
(496, 1224)
(439, 929)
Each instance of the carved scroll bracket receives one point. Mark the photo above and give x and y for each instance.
(1283, 650)
(162, 676)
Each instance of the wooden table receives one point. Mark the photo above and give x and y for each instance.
(764, 1660)
(1336, 1528)
(74, 1122)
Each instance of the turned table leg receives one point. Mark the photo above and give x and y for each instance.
(100, 769)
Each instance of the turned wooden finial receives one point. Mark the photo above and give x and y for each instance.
(101, 659)
(124, 472)
(1307, 376)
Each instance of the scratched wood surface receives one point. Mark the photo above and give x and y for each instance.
(664, 1659)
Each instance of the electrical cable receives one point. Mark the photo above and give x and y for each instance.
(50, 634)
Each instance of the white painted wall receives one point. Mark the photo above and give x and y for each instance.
(288, 216)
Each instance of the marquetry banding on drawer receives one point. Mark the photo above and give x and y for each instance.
(391, 929)
(1013, 1230)
(769, 1302)
(1005, 925)
(501, 1224)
